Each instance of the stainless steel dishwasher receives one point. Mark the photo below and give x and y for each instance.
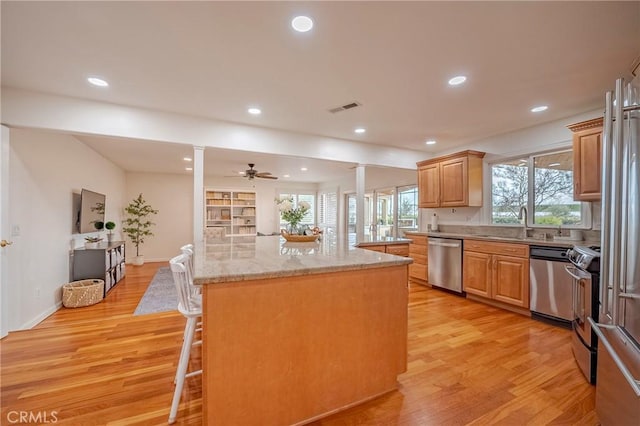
(445, 263)
(551, 287)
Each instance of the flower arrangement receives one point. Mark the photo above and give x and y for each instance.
(293, 216)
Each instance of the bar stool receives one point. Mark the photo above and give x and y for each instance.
(190, 306)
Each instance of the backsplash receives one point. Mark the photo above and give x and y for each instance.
(512, 231)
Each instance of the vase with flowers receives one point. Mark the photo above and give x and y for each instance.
(293, 216)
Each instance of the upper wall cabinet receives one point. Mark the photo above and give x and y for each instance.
(587, 159)
(451, 181)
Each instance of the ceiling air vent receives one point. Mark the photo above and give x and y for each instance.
(345, 107)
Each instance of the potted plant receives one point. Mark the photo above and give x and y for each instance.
(110, 226)
(137, 225)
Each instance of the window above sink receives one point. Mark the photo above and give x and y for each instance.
(544, 184)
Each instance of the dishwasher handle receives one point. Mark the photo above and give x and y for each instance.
(439, 244)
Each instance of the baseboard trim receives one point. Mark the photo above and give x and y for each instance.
(38, 319)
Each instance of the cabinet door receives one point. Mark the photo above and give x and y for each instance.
(587, 164)
(476, 273)
(454, 181)
(429, 186)
(511, 280)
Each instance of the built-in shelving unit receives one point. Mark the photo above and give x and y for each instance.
(230, 212)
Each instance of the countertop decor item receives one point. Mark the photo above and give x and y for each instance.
(293, 215)
(91, 242)
(296, 238)
(110, 226)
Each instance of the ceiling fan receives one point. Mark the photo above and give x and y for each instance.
(252, 173)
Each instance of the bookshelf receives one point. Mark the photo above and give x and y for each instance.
(230, 212)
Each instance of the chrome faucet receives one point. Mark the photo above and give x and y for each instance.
(523, 214)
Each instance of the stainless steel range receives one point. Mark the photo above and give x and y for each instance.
(585, 271)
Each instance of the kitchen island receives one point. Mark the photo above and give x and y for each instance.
(296, 331)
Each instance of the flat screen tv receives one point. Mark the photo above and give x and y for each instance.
(91, 216)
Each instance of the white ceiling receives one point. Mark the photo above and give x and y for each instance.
(215, 59)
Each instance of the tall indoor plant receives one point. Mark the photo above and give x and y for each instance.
(137, 225)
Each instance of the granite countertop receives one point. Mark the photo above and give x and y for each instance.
(233, 259)
(530, 241)
(371, 240)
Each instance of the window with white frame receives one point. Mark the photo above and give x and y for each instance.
(541, 182)
(310, 217)
(328, 210)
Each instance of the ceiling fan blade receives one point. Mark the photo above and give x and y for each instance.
(264, 176)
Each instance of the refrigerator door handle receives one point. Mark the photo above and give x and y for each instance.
(633, 382)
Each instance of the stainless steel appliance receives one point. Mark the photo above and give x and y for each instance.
(445, 263)
(551, 292)
(585, 272)
(618, 325)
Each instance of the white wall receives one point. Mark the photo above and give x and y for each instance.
(172, 196)
(46, 169)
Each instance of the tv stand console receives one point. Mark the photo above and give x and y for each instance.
(105, 263)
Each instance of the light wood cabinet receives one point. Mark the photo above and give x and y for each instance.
(587, 160)
(451, 181)
(418, 270)
(396, 249)
(497, 271)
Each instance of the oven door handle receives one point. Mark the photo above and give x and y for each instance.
(571, 271)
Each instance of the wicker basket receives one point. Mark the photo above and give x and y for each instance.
(77, 294)
(293, 238)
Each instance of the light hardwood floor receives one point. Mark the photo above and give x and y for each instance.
(468, 364)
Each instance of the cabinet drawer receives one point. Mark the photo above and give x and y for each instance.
(520, 250)
(379, 248)
(420, 240)
(398, 249)
(418, 271)
(418, 258)
(417, 249)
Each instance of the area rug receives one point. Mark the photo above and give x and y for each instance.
(160, 296)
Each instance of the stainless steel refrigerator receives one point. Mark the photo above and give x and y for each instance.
(618, 328)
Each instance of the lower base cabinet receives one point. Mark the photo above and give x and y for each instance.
(497, 271)
(419, 269)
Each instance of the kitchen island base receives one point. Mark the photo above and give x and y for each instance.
(290, 350)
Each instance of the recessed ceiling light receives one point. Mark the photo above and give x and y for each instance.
(240, 173)
(97, 82)
(302, 24)
(430, 142)
(304, 169)
(286, 176)
(188, 169)
(554, 164)
(539, 108)
(187, 159)
(457, 80)
(360, 130)
(254, 111)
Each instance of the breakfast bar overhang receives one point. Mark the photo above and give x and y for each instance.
(293, 332)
